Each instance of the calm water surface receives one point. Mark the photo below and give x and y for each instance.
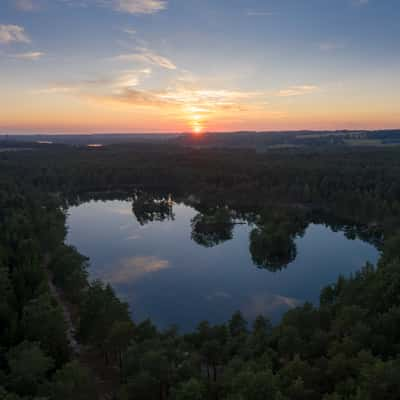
(166, 276)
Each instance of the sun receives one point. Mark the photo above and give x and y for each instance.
(197, 129)
(196, 121)
(197, 125)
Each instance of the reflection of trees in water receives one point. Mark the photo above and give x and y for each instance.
(370, 233)
(147, 208)
(212, 227)
(272, 250)
(272, 242)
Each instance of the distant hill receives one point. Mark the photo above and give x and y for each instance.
(263, 141)
(87, 139)
(260, 141)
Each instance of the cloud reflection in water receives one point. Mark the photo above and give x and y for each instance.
(268, 304)
(131, 269)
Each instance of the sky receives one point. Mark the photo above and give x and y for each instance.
(151, 66)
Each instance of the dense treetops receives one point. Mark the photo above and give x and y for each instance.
(345, 349)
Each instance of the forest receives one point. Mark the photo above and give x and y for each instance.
(347, 348)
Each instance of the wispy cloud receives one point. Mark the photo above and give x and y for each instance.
(194, 107)
(199, 102)
(137, 6)
(186, 101)
(13, 33)
(129, 96)
(123, 81)
(131, 78)
(207, 97)
(147, 56)
(79, 3)
(32, 56)
(253, 13)
(297, 90)
(57, 89)
(26, 5)
(125, 6)
(129, 31)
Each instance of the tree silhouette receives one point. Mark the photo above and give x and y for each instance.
(272, 250)
(148, 208)
(212, 228)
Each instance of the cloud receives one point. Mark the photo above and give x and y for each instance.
(130, 96)
(147, 56)
(26, 5)
(193, 107)
(139, 6)
(56, 90)
(79, 3)
(125, 80)
(193, 102)
(33, 55)
(131, 78)
(129, 31)
(185, 101)
(251, 13)
(297, 91)
(131, 269)
(13, 33)
(206, 97)
(126, 6)
(182, 100)
(268, 304)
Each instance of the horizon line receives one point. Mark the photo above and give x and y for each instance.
(194, 134)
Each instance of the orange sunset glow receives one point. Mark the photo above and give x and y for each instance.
(138, 66)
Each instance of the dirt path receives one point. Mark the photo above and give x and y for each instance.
(71, 331)
(106, 377)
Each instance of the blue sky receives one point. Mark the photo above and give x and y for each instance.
(113, 65)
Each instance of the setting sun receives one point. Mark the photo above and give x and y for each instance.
(197, 129)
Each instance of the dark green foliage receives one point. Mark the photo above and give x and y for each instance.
(346, 349)
(73, 382)
(105, 322)
(29, 367)
(33, 341)
(69, 270)
(254, 385)
(43, 322)
(193, 389)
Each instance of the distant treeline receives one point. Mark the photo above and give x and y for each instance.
(362, 184)
(260, 141)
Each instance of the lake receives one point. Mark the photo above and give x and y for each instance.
(166, 276)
